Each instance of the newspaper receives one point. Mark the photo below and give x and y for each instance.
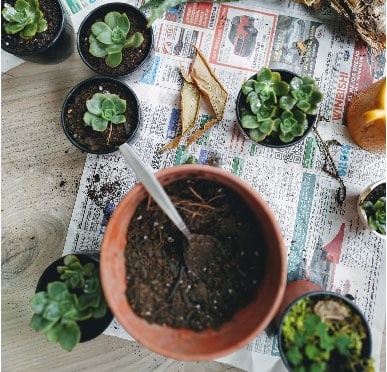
(326, 241)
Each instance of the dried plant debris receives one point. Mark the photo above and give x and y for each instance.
(366, 17)
(201, 81)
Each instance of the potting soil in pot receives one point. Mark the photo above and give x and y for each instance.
(15, 44)
(200, 284)
(114, 135)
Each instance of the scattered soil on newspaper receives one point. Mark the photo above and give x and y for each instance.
(15, 44)
(131, 57)
(202, 284)
(114, 135)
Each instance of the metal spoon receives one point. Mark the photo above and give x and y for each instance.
(153, 186)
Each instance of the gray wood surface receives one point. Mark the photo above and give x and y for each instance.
(41, 171)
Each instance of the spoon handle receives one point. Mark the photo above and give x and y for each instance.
(153, 186)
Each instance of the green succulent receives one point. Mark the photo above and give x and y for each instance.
(277, 109)
(75, 297)
(376, 214)
(104, 109)
(24, 18)
(109, 38)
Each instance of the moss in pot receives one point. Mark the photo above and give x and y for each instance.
(37, 31)
(277, 108)
(324, 331)
(99, 114)
(114, 40)
(198, 302)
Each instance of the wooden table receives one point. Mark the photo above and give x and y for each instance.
(41, 171)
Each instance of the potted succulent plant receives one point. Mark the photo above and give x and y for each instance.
(69, 305)
(99, 114)
(36, 30)
(114, 40)
(277, 108)
(324, 331)
(197, 299)
(372, 208)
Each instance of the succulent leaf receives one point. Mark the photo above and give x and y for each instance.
(24, 18)
(78, 296)
(108, 38)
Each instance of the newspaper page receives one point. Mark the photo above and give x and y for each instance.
(326, 241)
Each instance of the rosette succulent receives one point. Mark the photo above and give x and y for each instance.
(103, 109)
(110, 37)
(24, 18)
(376, 214)
(75, 297)
(275, 108)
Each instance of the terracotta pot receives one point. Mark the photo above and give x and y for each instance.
(366, 117)
(98, 64)
(99, 84)
(185, 344)
(60, 47)
(269, 141)
(90, 328)
(300, 289)
(362, 197)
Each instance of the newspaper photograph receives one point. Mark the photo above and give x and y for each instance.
(325, 239)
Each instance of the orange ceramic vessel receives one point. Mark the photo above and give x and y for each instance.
(185, 344)
(366, 117)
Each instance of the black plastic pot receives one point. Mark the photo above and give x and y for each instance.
(90, 328)
(82, 90)
(60, 47)
(367, 344)
(269, 141)
(98, 65)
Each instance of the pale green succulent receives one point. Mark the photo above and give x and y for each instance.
(277, 109)
(109, 38)
(103, 109)
(24, 18)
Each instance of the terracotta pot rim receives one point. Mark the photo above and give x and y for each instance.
(269, 143)
(185, 335)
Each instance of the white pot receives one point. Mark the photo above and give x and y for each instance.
(362, 213)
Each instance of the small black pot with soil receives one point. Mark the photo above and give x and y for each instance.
(82, 135)
(132, 58)
(48, 47)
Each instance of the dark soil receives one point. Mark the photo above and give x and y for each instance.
(131, 57)
(376, 193)
(200, 284)
(18, 46)
(115, 134)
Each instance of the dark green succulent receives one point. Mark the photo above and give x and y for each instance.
(376, 214)
(75, 297)
(110, 37)
(104, 109)
(277, 109)
(24, 18)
